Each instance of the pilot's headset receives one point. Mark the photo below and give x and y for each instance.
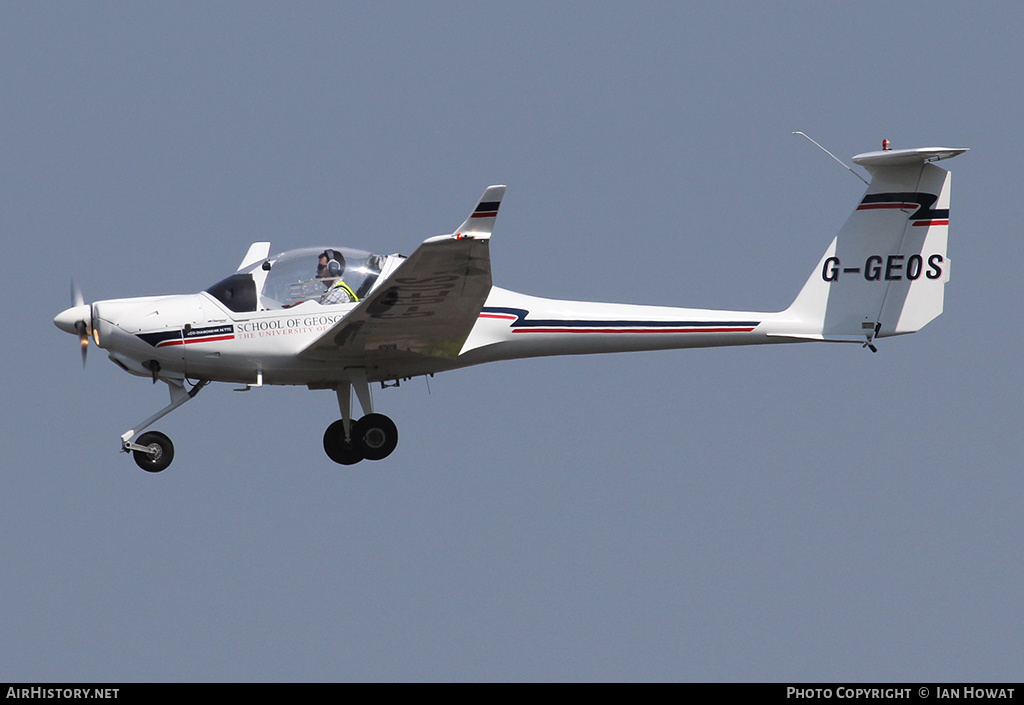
(335, 263)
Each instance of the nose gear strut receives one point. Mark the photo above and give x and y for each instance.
(154, 451)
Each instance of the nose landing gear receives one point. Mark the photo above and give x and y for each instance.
(159, 453)
(153, 451)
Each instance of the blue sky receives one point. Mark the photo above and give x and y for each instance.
(784, 513)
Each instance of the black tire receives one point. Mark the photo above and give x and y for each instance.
(161, 455)
(376, 436)
(337, 448)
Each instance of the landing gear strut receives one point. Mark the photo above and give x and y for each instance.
(154, 451)
(373, 437)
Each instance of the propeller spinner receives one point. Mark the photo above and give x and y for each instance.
(77, 319)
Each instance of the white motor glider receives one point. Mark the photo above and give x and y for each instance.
(341, 319)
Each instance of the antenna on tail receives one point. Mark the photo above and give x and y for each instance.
(834, 157)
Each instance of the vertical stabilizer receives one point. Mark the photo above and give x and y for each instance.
(885, 272)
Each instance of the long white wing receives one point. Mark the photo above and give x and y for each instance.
(425, 310)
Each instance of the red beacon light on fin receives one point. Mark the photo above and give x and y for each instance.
(886, 145)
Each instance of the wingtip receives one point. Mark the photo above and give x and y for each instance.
(481, 221)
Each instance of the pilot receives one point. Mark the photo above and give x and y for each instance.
(329, 270)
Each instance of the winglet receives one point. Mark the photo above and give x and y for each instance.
(257, 251)
(480, 222)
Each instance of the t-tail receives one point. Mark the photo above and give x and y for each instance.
(885, 271)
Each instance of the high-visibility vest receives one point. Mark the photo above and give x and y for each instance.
(340, 284)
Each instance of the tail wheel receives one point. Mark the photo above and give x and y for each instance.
(376, 436)
(337, 448)
(159, 455)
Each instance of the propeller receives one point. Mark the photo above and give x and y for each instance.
(83, 330)
(77, 319)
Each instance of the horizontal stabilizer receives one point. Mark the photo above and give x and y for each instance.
(904, 157)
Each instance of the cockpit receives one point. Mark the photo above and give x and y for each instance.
(297, 276)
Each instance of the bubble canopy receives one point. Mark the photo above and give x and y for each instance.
(295, 276)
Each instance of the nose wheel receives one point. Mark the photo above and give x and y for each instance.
(372, 437)
(153, 451)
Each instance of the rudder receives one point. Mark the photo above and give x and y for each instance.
(885, 272)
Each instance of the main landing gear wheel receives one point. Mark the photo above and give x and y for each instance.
(159, 455)
(337, 448)
(372, 437)
(376, 436)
